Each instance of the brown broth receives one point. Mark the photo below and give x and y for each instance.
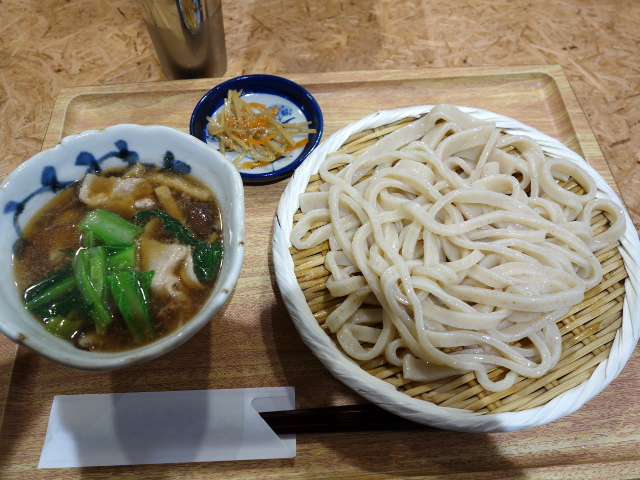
(52, 233)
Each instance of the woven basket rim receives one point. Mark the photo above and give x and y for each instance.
(385, 394)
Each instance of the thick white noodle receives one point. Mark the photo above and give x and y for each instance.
(458, 252)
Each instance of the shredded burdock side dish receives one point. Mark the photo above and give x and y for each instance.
(251, 129)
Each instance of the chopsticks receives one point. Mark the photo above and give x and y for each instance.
(346, 418)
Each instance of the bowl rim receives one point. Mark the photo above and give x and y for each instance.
(106, 361)
(384, 394)
(293, 86)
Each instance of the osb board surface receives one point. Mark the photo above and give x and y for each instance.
(252, 342)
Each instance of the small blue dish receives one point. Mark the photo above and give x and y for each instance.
(295, 103)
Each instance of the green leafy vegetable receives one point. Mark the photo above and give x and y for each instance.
(109, 227)
(171, 225)
(104, 269)
(120, 256)
(145, 282)
(88, 239)
(206, 259)
(50, 288)
(62, 305)
(62, 326)
(90, 271)
(132, 301)
(54, 295)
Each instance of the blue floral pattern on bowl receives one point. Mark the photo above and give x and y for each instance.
(285, 114)
(50, 183)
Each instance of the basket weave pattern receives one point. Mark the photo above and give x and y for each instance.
(599, 334)
(587, 331)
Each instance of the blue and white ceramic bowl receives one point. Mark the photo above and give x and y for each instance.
(296, 105)
(34, 182)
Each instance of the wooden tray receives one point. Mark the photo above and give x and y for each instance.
(252, 342)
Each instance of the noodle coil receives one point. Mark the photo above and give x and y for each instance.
(455, 248)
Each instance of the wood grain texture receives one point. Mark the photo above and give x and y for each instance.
(251, 342)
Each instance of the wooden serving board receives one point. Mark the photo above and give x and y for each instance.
(252, 342)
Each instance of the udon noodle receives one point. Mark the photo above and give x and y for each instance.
(456, 248)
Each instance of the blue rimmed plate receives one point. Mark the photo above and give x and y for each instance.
(295, 105)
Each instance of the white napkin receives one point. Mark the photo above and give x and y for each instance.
(165, 427)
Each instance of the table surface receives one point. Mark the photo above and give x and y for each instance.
(48, 45)
(252, 342)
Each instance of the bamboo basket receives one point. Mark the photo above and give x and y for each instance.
(598, 335)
